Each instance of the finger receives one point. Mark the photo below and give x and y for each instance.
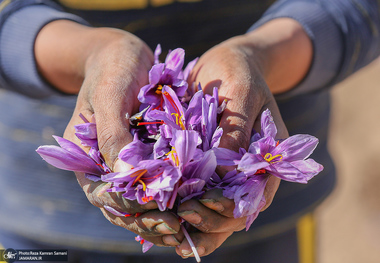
(215, 200)
(118, 86)
(173, 240)
(207, 220)
(270, 190)
(113, 131)
(150, 224)
(204, 243)
(99, 197)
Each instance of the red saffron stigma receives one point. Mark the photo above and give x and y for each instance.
(150, 122)
(260, 171)
(148, 178)
(170, 99)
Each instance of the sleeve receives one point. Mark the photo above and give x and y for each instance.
(344, 33)
(20, 22)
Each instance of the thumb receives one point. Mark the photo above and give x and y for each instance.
(113, 135)
(237, 121)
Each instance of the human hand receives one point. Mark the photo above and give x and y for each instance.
(107, 67)
(241, 68)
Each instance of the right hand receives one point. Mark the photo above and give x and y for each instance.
(107, 67)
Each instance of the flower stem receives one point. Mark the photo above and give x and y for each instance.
(191, 243)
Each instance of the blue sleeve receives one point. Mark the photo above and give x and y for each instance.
(20, 22)
(344, 33)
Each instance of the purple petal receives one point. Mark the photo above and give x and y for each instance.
(161, 147)
(298, 171)
(193, 113)
(163, 116)
(250, 163)
(114, 211)
(77, 161)
(248, 196)
(86, 132)
(185, 143)
(135, 152)
(262, 146)
(69, 146)
(167, 181)
(215, 140)
(179, 86)
(157, 54)
(175, 60)
(92, 177)
(146, 245)
(268, 128)
(191, 186)
(252, 217)
(227, 157)
(204, 168)
(296, 147)
(188, 69)
(155, 74)
(147, 96)
(172, 103)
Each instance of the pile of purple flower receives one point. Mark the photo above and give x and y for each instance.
(174, 153)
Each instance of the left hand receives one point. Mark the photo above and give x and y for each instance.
(241, 67)
(241, 83)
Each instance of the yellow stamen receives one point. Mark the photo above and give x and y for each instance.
(138, 175)
(143, 184)
(159, 90)
(174, 157)
(269, 157)
(178, 121)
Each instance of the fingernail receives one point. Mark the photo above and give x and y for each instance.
(170, 240)
(163, 228)
(201, 250)
(186, 253)
(191, 216)
(212, 204)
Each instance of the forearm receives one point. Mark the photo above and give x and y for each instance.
(343, 34)
(283, 52)
(77, 48)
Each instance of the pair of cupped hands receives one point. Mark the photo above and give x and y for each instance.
(107, 68)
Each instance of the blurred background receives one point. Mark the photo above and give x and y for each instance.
(349, 221)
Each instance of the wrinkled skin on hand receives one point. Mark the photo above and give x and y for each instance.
(113, 77)
(229, 67)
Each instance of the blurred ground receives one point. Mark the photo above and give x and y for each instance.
(349, 221)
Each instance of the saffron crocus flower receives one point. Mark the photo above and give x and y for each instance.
(172, 113)
(286, 160)
(136, 151)
(146, 245)
(196, 175)
(86, 133)
(168, 73)
(72, 158)
(150, 180)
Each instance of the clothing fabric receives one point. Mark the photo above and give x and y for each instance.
(46, 205)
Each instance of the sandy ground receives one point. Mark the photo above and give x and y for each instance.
(349, 221)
